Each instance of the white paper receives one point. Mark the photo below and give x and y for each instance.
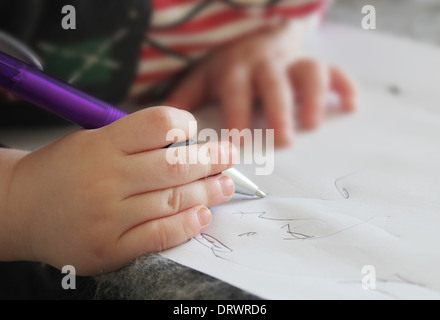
(361, 191)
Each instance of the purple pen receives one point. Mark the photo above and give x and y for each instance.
(55, 96)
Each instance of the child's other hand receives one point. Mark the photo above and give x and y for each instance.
(98, 199)
(265, 66)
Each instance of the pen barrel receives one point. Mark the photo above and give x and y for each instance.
(242, 184)
(58, 97)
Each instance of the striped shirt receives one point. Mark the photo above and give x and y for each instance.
(183, 31)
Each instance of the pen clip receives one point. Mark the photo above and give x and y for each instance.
(18, 50)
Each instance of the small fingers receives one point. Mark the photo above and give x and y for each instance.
(151, 129)
(165, 168)
(311, 81)
(235, 96)
(344, 86)
(165, 233)
(277, 98)
(163, 203)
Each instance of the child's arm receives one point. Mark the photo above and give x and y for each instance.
(97, 199)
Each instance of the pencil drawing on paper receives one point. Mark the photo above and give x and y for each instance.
(343, 191)
(294, 235)
(262, 215)
(212, 243)
(247, 234)
(283, 229)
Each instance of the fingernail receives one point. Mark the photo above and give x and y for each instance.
(228, 186)
(204, 216)
(312, 123)
(285, 137)
(352, 104)
(285, 141)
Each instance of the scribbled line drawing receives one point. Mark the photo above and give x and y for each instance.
(303, 236)
(394, 90)
(398, 279)
(295, 235)
(261, 215)
(344, 193)
(247, 234)
(214, 244)
(394, 278)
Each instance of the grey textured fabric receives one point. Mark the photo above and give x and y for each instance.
(153, 277)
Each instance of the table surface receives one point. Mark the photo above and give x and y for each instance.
(415, 19)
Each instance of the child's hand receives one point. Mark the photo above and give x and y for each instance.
(98, 199)
(265, 66)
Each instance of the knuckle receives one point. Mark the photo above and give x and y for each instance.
(160, 237)
(272, 81)
(236, 72)
(311, 65)
(270, 70)
(169, 117)
(164, 116)
(167, 235)
(181, 168)
(232, 78)
(206, 156)
(190, 225)
(174, 200)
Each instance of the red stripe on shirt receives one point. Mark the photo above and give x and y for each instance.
(166, 4)
(205, 23)
(298, 11)
(153, 53)
(155, 76)
(229, 15)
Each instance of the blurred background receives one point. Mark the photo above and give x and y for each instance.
(415, 19)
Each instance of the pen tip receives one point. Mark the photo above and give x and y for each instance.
(260, 194)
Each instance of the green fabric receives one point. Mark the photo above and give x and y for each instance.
(88, 62)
